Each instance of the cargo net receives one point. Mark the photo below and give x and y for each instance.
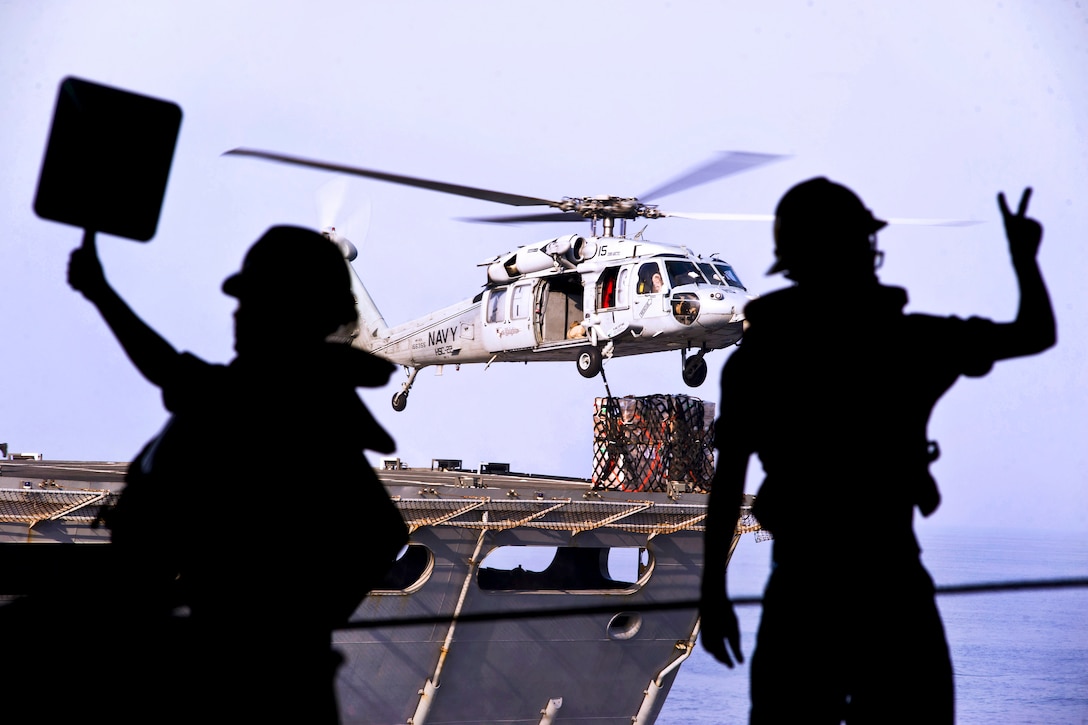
(644, 443)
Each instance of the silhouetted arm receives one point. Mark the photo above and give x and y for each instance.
(1034, 328)
(720, 631)
(154, 357)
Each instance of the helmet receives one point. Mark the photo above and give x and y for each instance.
(819, 210)
(298, 268)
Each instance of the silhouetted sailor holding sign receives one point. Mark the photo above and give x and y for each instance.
(838, 407)
(265, 564)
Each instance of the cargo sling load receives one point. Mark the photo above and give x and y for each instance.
(653, 442)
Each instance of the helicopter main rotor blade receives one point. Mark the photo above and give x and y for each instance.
(936, 222)
(555, 216)
(719, 216)
(727, 217)
(469, 191)
(725, 164)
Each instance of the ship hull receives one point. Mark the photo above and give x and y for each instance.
(450, 637)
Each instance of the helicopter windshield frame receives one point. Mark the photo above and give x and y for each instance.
(684, 272)
(720, 273)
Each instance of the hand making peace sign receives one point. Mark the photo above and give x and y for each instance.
(1024, 233)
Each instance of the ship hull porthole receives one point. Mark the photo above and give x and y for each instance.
(624, 625)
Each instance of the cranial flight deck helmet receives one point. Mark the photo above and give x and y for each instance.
(299, 269)
(819, 219)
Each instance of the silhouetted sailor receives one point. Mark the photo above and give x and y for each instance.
(255, 506)
(838, 403)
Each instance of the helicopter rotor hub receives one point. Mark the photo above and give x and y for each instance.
(608, 207)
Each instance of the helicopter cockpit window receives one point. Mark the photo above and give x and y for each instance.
(712, 275)
(650, 280)
(729, 274)
(720, 273)
(683, 271)
(496, 305)
(520, 300)
(621, 287)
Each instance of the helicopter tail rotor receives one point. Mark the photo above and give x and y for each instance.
(331, 199)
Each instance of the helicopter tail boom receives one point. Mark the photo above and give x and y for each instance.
(372, 326)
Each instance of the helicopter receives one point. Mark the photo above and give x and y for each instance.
(579, 297)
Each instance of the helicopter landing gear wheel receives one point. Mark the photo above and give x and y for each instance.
(694, 371)
(400, 398)
(589, 362)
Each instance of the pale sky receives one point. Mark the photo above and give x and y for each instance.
(925, 110)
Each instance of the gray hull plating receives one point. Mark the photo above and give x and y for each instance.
(448, 642)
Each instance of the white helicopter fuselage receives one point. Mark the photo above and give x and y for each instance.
(572, 298)
(586, 298)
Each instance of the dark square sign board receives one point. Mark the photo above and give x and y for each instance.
(108, 159)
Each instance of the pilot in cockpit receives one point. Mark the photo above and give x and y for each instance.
(650, 280)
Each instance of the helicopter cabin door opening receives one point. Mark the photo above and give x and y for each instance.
(560, 309)
(508, 322)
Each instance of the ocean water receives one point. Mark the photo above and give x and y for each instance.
(1019, 657)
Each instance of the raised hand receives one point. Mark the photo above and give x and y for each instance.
(152, 355)
(85, 270)
(1024, 233)
(1034, 328)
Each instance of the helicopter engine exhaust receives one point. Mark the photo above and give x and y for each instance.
(559, 252)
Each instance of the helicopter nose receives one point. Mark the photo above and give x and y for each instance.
(707, 307)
